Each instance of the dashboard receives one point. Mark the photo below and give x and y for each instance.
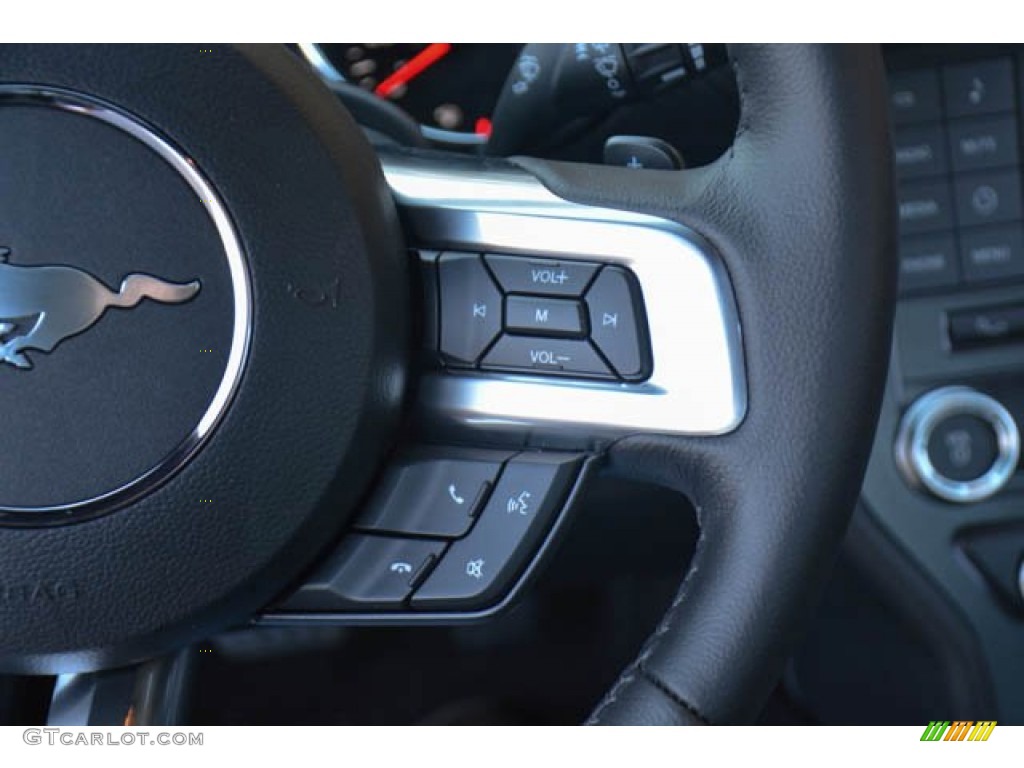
(450, 89)
(567, 102)
(944, 494)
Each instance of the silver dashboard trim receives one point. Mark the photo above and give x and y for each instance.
(698, 382)
(234, 254)
(920, 421)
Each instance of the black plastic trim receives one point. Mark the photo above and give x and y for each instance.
(901, 583)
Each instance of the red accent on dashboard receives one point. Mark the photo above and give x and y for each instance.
(483, 126)
(413, 68)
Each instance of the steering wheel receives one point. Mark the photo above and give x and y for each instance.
(230, 392)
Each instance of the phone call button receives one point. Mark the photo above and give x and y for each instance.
(436, 494)
(367, 572)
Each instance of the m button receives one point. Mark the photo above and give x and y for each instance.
(543, 317)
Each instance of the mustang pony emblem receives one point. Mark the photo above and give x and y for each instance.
(59, 302)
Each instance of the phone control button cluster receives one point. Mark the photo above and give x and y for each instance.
(447, 530)
(476, 569)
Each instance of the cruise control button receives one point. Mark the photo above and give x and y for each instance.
(555, 356)
(543, 317)
(470, 308)
(521, 274)
(614, 325)
(478, 569)
(979, 87)
(433, 496)
(366, 572)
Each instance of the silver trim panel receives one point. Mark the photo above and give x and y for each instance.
(152, 693)
(920, 421)
(321, 64)
(698, 383)
(186, 167)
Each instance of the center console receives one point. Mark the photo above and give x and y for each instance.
(945, 482)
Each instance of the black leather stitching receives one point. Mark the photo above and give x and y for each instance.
(741, 84)
(667, 621)
(677, 700)
(725, 682)
(653, 642)
(612, 696)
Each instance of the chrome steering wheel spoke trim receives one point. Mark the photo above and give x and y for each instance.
(698, 382)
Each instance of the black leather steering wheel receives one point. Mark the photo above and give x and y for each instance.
(202, 455)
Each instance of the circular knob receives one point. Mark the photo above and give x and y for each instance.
(959, 444)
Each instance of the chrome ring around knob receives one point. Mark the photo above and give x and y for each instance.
(1020, 580)
(930, 410)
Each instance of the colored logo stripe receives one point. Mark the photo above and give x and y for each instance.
(982, 730)
(959, 730)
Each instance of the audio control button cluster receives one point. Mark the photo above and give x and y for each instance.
(537, 315)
